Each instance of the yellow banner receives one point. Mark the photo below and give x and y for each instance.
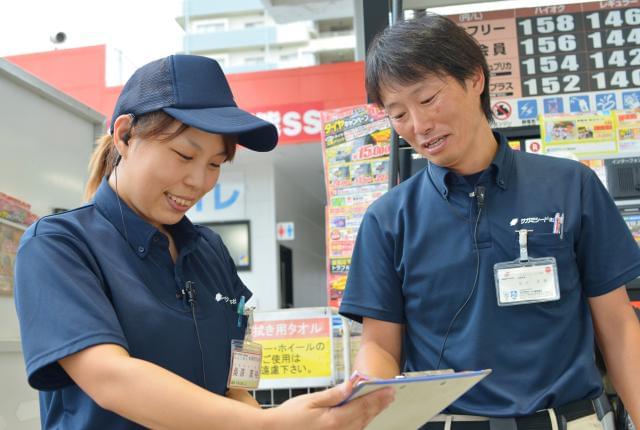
(295, 358)
(590, 135)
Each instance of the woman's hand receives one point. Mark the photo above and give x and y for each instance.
(319, 410)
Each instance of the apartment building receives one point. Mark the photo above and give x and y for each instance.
(243, 37)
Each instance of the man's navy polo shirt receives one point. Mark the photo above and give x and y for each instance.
(414, 263)
(80, 282)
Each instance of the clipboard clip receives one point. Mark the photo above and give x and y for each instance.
(425, 373)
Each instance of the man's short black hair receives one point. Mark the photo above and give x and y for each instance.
(429, 45)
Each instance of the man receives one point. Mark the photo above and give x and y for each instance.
(489, 257)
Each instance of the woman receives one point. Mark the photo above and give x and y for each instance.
(119, 301)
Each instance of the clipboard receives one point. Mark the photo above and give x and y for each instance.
(418, 398)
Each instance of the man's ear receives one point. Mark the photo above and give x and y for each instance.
(477, 81)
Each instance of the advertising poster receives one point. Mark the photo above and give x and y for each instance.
(356, 143)
(515, 145)
(9, 241)
(15, 216)
(633, 222)
(627, 125)
(584, 135)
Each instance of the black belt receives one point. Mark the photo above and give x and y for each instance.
(540, 420)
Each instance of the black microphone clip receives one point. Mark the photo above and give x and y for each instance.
(479, 194)
(189, 291)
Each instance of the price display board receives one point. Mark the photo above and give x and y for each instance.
(583, 48)
(559, 59)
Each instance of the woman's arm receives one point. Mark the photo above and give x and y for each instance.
(154, 397)
(242, 396)
(149, 394)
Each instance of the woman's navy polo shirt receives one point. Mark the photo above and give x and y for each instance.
(414, 263)
(79, 282)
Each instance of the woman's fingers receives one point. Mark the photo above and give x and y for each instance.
(357, 413)
(332, 396)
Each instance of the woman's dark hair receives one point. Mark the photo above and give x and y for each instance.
(408, 51)
(154, 125)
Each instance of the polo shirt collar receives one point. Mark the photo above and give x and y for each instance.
(501, 166)
(136, 231)
(503, 161)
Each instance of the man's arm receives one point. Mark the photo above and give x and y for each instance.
(380, 348)
(618, 335)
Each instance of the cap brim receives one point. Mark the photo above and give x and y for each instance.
(253, 132)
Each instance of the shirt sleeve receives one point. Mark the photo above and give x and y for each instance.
(61, 304)
(374, 289)
(607, 254)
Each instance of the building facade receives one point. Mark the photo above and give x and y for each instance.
(243, 37)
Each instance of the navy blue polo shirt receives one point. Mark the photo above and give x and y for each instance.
(414, 263)
(95, 275)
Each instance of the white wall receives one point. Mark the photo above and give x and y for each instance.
(19, 408)
(263, 278)
(46, 139)
(240, 22)
(302, 202)
(286, 184)
(45, 150)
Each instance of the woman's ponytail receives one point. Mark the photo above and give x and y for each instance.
(100, 165)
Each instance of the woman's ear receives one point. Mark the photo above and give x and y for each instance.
(122, 134)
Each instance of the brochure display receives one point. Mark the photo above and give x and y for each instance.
(627, 126)
(356, 145)
(418, 398)
(585, 135)
(592, 135)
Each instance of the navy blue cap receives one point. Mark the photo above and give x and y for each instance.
(193, 90)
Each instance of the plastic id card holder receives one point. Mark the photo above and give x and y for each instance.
(532, 281)
(417, 398)
(244, 368)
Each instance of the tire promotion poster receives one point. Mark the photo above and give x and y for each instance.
(356, 145)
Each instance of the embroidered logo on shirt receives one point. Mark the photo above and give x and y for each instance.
(220, 298)
(531, 220)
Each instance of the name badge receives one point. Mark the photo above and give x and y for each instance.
(244, 369)
(526, 280)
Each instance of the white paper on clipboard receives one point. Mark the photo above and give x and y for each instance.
(418, 398)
